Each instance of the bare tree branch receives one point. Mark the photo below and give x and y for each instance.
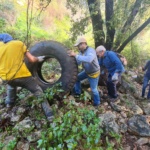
(129, 21)
(44, 7)
(132, 15)
(133, 35)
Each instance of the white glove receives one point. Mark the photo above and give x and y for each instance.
(40, 58)
(115, 77)
(102, 72)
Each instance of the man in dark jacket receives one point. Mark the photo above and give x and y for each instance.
(87, 57)
(112, 63)
(146, 80)
(14, 71)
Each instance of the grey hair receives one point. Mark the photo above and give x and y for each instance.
(100, 48)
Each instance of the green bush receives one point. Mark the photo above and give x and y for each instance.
(132, 54)
(2, 23)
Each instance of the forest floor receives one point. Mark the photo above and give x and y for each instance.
(125, 124)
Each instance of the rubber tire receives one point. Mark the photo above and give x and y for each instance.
(58, 51)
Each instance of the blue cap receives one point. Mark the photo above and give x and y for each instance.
(5, 37)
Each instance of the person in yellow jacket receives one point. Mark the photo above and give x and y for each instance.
(14, 71)
(88, 58)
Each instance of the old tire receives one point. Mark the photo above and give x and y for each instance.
(52, 49)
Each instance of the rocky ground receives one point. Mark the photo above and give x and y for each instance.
(128, 118)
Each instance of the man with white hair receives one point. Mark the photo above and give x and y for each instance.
(88, 58)
(112, 63)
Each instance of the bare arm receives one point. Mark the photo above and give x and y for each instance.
(30, 57)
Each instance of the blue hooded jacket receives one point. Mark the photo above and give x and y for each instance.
(112, 63)
(5, 37)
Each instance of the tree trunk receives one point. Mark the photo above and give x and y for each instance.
(109, 25)
(97, 22)
(129, 21)
(133, 35)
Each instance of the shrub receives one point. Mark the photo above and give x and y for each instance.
(77, 128)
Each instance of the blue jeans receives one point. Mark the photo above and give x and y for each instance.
(145, 83)
(93, 85)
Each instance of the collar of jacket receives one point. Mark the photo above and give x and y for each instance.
(85, 49)
(105, 54)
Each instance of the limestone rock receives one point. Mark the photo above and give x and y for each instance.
(142, 141)
(107, 117)
(132, 73)
(23, 146)
(20, 111)
(108, 122)
(34, 136)
(122, 120)
(123, 114)
(139, 125)
(15, 118)
(112, 126)
(127, 148)
(25, 124)
(3, 110)
(146, 109)
(17, 114)
(123, 128)
(137, 110)
(105, 104)
(115, 107)
(38, 124)
(126, 86)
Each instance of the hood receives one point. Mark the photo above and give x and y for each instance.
(4, 37)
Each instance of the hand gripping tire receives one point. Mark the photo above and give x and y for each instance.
(52, 49)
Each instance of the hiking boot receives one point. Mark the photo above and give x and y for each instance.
(50, 118)
(9, 105)
(47, 111)
(105, 96)
(114, 100)
(76, 95)
(142, 98)
(96, 105)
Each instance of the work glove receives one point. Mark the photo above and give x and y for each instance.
(102, 72)
(115, 77)
(40, 58)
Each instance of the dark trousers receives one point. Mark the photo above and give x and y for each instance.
(145, 84)
(30, 84)
(112, 87)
